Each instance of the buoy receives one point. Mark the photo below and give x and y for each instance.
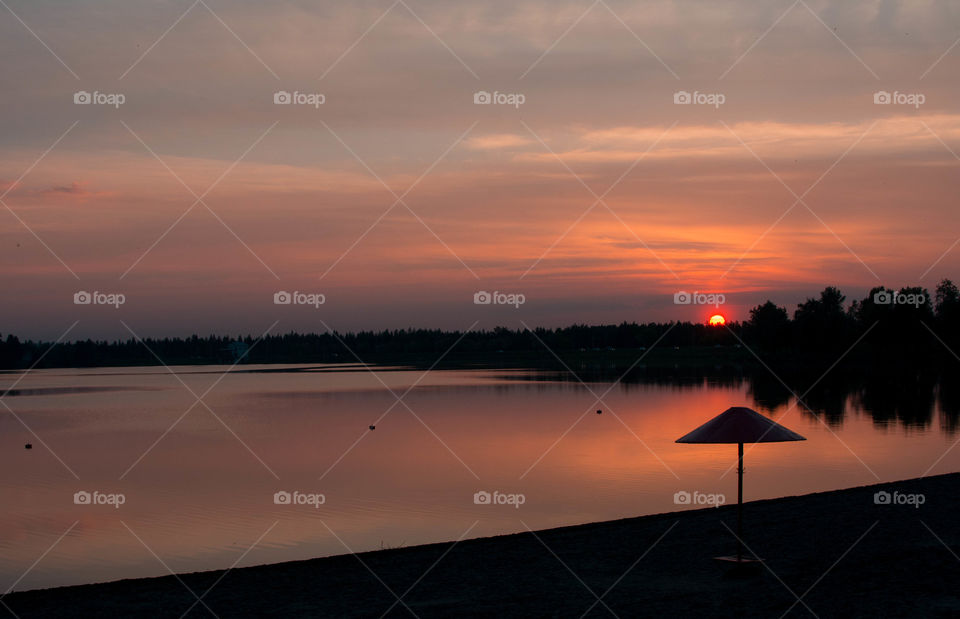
(28, 446)
(373, 427)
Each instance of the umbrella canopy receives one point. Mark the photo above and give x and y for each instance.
(739, 424)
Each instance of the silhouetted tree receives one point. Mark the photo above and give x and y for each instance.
(948, 313)
(868, 311)
(768, 327)
(823, 324)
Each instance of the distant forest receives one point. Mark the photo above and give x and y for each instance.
(909, 327)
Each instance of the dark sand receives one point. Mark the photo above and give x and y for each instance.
(898, 569)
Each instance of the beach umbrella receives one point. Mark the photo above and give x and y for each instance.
(740, 425)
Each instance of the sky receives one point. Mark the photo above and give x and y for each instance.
(585, 191)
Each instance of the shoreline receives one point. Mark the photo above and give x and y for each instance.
(862, 559)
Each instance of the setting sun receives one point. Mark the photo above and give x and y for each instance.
(717, 320)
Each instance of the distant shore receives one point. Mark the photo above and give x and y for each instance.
(840, 552)
(633, 364)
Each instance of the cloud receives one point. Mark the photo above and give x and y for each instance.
(79, 190)
(769, 139)
(498, 141)
(72, 189)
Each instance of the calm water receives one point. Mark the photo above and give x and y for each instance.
(198, 486)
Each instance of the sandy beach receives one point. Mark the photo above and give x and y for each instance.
(830, 554)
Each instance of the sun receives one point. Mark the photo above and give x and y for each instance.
(717, 320)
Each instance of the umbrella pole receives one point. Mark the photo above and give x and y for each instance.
(740, 503)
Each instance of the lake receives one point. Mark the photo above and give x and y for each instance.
(129, 475)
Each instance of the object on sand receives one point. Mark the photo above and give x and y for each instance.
(739, 424)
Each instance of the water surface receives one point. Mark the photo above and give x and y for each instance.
(198, 479)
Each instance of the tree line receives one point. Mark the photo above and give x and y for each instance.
(909, 326)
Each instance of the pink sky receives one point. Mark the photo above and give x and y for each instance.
(699, 196)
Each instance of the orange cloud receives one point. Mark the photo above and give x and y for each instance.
(896, 134)
(498, 141)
